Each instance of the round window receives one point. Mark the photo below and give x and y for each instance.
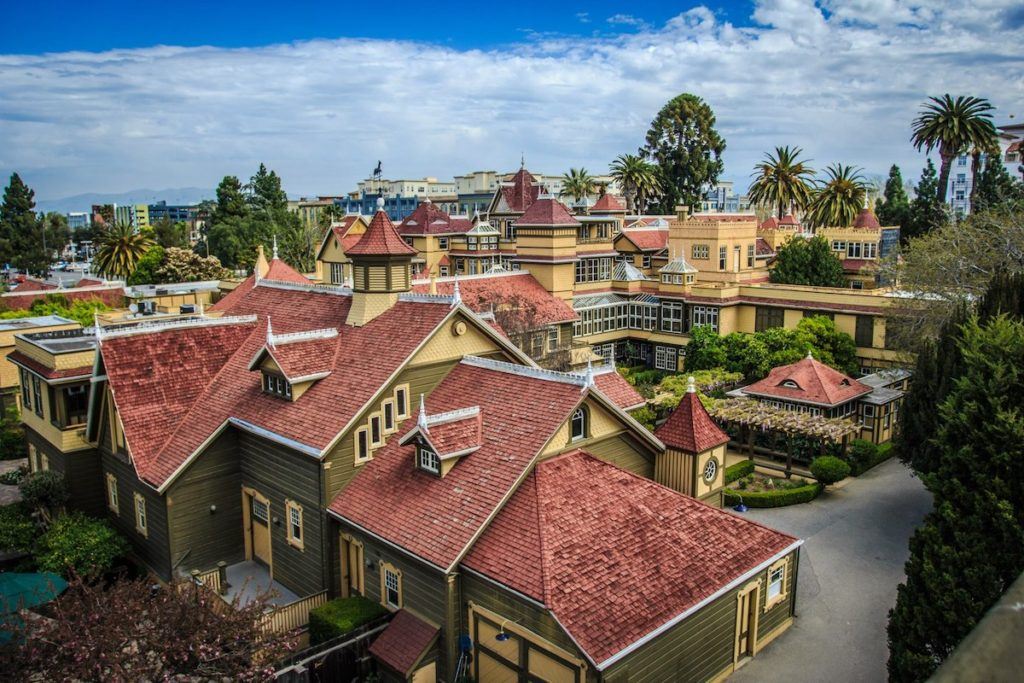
(710, 470)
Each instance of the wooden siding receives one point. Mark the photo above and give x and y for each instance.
(623, 450)
(280, 474)
(199, 536)
(81, 470)
(154, 548)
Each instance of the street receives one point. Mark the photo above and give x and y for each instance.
(855, 546)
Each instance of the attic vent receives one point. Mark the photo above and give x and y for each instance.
(790, 384)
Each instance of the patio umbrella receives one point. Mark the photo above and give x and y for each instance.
(21, 591)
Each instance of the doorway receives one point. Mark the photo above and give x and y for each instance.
(257, 523)
(746, 623)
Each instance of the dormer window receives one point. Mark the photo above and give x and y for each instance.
(428, 460)
(276, 385)
(579, 424)
(790, 384)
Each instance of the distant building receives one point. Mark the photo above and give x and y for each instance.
(961, 181)
(722, 199)
(309, 209)
(172, 212)
(135, 215)
(79, 219)
(396, 207)
(475, 190)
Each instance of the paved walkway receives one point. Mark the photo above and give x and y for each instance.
(855, 546)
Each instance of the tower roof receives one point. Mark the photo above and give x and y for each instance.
(808, 381)
(547, 211)
(866, 219)
(608, 203)
(689, 428)
(381, 239)
(522, 191)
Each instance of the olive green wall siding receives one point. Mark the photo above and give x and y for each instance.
(703, 644)
(153, 549)
(626, 452)
(280, 474)
(774, 617)
(81, 470)
(200, 538)
(421, 380)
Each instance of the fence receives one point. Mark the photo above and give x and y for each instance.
(295, 614)
(212, 579)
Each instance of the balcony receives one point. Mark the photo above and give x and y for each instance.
(247, 580)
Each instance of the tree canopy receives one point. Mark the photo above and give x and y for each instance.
(954, 126)
(23, 233)
(838, 199)
(782, 182)
(118, 250)
(637, 178)
(807, 261)
(894, 209)
(687, 150)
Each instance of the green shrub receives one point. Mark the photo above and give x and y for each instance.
(645, 416)
(774, 499)
(863, 455)
(13, 477)
(738, 471)
(17, 530)
(340, 616)
(83, 544)
(12, 436)
(45, 490)
(828, 469)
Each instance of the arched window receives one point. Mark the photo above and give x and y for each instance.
(579, 424)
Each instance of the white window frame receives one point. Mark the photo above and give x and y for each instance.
(402, 401)
(141, 518)
(293, 519)
(666, 358)
(442, 243)
(390, 579)
(700, 252)
(113, 502)
(578, 424)
(775, 591)
(389, 414)
(378, 421)
(361, 437)
(427, 460)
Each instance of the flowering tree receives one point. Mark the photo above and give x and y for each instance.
(133, 631)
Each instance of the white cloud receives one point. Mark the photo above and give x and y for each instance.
(834, 79)
(627, 20)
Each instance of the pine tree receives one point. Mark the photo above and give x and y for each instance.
(895, 210)
(995, 187)
(20, 229)
(927, 211)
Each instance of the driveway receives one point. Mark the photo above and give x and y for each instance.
(855, 546)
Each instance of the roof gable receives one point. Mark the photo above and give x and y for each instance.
(380, 239)
(808, 381)
(547, 212)
(689, 428)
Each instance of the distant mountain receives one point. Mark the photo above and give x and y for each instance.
(83, 202)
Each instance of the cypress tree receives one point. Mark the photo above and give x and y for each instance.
(927, 211)
(895, 210)
(995, 187)
(20, 228)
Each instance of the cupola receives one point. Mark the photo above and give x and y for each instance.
(381, 269)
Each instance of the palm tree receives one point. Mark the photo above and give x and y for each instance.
(578, 184)
(783, 181)
(118, 250)
(954, 127)
(839, 198)
(637, 178)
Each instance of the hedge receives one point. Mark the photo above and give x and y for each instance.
(340, 616)
(863, 455)
(17, 530)
(738, 471)
(774, 499)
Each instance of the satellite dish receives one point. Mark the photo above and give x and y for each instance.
(134, 308)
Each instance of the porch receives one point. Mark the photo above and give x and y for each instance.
(248, 580)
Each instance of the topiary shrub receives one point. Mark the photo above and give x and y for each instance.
(738, 471)
(340, 616)
(79, 544)
(45, 491)
(828, 469)
(17, 530)
(773, 499)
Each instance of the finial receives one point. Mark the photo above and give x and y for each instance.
(456, 294)
(380, 203)
(589, 376)
(522, 160)
(691, 385)
(270, 333)
(275, 245)
(426, 200)
(810, 355)
(421, 421)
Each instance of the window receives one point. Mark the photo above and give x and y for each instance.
(593, 269)
(766, 318)
(37, 396)
(672, 316)
(710, 470)
(665, 358)
(666, 279)
(337, 273)
(428, 460)
(294, 511)
(276, 385)
(402, 401)
(776, 592)
(870, 250)
(442, 243)
(865, 332)
(750, 256)
(391, 586)
(723, 253)
(140, 515)
(388, 408)
(112, 501)
(646, 261)
(510, 230)
(704, 315)
(76, 403)
(579, 424)
(700, 252)
(260, 510)
(552, 339)
(853, 250)
(376, 432)
(26, 390)
(362, 444)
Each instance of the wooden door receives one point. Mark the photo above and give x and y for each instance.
(259, 516)
(746, 623)
(352, 561)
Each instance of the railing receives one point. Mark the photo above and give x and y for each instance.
(294, 615)
(214, 579)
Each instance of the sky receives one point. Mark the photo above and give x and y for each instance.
(114, 96)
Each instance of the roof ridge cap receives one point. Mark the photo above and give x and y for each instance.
(176, 324)
(525, 370)
(306, 335)
(337, 290)
(545, 591)
(452, 415)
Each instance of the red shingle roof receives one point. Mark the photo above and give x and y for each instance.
(547, 212)
(854, 265)
(277, 270)
(457, 433)
(789, 220)
(814, 382)
(433, 517)
(111, 295)
(522, 192)
(428, 219)
(303, 358)
(647, 239)
(608, 203)
(87, 282)
(175, 388)
(689, 428)
(617, 389)
(30, 285)
(763, 248)
(866, 219)
(516, 288)
(381, 239)
(770, 223)
(615, 556)
(403, 642)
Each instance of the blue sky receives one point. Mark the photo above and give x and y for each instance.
(111, 97)
(38, 27)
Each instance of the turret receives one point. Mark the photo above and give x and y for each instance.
(381, 269)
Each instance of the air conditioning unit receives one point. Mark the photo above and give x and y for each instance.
(147, 307)
(188, 308)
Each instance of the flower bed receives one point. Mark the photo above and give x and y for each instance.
(757, 491)
(738, 471)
